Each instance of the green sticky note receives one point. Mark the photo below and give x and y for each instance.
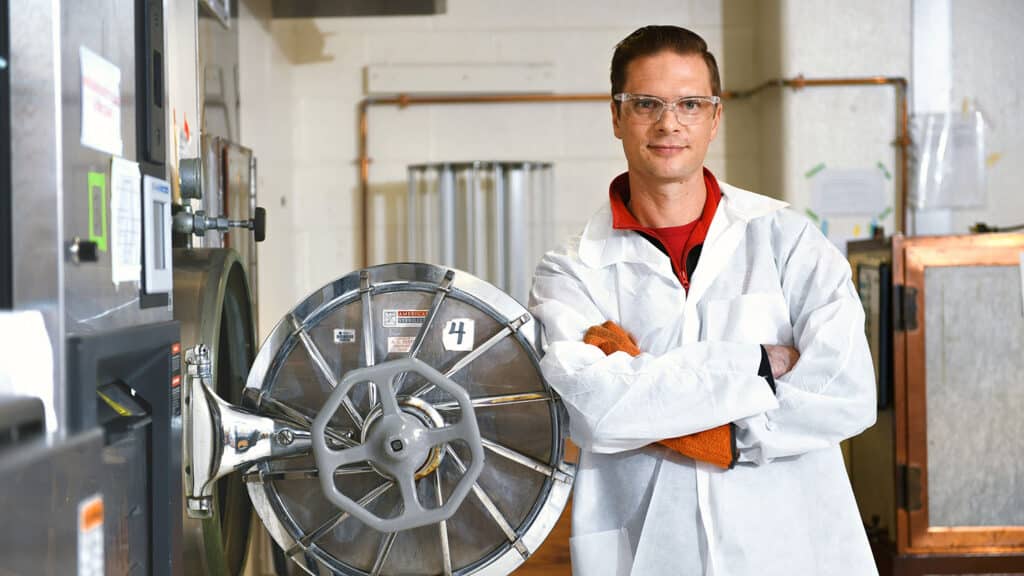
(98, 202)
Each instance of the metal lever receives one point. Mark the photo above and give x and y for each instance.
(221, 438)
(188, 222)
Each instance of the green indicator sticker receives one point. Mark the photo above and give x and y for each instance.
(98, 202)
(812, 215)
(810, 173)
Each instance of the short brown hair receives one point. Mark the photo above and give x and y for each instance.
(650, 40)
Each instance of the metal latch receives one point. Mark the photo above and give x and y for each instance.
(220, 438)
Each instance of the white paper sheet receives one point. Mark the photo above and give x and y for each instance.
(26, 360)
(101, 103)
(848, 192)
(126, 225)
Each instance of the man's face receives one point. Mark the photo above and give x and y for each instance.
(666, 151)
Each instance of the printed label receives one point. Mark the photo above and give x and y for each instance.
(404, 318)
(344, 335)
(90, 536)
(400, 344)
(458, 334)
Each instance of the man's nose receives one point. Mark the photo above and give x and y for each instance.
(668, 121)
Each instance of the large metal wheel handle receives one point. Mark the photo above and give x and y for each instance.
(397, 445)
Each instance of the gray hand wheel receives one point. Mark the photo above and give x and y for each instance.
(397, 445)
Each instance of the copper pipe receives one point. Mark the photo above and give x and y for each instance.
(404, 100)
(902, 141)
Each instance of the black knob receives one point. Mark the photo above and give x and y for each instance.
(259, 224)
(84, 251)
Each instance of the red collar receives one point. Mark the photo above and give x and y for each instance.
(623, 219)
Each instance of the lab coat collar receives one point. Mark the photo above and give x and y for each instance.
(601, 245)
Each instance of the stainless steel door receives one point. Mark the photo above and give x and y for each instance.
(480, 339)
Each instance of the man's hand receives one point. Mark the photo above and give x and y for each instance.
(781, 358)
(717, 445)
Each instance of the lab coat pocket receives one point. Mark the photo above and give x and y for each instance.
(761, 318)
(601, 554)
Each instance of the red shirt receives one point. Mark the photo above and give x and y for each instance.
(676, 241)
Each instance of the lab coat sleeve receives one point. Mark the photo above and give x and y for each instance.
(619, 402)
(829, 395)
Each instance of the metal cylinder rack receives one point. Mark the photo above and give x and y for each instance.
(492, 219)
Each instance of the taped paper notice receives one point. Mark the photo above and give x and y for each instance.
(838, 192)
(400, 344)
(404, 318)
(126, 221)
(90, 536)
(101, 103)
(344, 335)
(458, 334)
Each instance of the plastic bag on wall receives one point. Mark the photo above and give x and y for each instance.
(949, 161)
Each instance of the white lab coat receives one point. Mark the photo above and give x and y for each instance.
(765, 276)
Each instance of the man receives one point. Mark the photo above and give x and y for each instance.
(725, 356)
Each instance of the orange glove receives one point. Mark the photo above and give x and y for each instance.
(716, 446)
(611, 338)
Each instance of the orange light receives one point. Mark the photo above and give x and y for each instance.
(176, 381)
(175, 348)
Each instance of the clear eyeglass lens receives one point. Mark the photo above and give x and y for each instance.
(687, 110)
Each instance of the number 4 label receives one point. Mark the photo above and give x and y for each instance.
(458, 334)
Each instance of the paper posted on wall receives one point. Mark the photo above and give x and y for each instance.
(126, 221)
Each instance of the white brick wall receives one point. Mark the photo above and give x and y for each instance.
(840, 127)
(304, 79)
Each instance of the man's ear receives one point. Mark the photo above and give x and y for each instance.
(616, 120)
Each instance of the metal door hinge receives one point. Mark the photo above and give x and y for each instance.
(908, 487)
(904, 308)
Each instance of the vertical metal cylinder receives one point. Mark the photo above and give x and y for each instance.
(500, 272)
(518, 240)
(478, 223)
(413, 216)
(446, 204)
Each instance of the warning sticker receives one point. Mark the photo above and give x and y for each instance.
(90, 536)
(400, 344)
(404, 318)
(344, 335)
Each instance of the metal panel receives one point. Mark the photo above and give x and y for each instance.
(36, 176)
(145, 359)
(107, 27)
(871, 455)
(42, 488)
(6, 240)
